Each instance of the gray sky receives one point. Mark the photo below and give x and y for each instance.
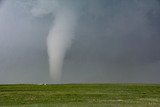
(114, 41)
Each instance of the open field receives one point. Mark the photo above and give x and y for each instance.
(80, 95)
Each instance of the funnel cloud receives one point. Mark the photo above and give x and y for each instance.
(59, 40)
(60, 34)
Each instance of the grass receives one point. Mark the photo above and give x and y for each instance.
(80, 95)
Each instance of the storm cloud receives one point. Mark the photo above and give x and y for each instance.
(114, 41)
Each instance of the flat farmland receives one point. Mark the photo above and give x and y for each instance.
(80, 95)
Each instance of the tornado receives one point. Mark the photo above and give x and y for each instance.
(60, 34)
(59, 40)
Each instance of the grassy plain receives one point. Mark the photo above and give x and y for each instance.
(80, 95)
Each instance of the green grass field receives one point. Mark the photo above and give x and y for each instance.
(80, 95)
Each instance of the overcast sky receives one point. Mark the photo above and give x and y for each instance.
(114, 41)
